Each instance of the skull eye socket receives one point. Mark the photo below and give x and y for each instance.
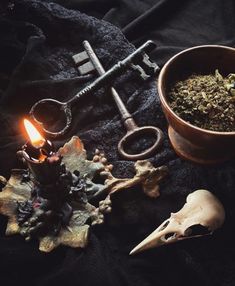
(196, 229)
(170, 235)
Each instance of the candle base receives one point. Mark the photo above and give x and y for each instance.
(62, 212)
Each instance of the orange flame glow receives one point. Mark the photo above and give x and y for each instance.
(37, 140)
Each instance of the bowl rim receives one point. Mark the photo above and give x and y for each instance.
(164, 101)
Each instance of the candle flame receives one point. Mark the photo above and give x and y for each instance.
(37, 140)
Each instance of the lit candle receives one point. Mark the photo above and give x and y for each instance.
(37, 140)
(40, 156)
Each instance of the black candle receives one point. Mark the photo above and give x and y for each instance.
(40, 156)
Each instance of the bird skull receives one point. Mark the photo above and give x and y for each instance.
(201, 215)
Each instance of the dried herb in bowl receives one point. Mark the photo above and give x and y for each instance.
(206, 101)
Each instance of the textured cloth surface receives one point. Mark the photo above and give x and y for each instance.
(37, 41)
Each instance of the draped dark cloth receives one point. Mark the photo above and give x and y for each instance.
(37, 41)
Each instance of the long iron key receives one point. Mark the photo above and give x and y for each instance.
(133, 131)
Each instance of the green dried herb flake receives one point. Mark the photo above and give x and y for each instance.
(206, 101)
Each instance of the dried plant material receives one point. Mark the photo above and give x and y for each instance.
(206, 101)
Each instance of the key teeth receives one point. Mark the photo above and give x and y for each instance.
(80, 58)
(141, 66)
(83, 63)
(149, 63)
(86, 68)
(141, 71)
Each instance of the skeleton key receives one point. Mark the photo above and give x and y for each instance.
(66, 107)
(133, 131)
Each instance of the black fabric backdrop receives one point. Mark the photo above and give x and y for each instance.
(37, 40)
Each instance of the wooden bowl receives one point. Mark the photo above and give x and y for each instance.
(191, 142)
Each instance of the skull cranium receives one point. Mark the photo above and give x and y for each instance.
(201, 215)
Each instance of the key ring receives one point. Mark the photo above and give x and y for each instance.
(61, 107)
(133, 132)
